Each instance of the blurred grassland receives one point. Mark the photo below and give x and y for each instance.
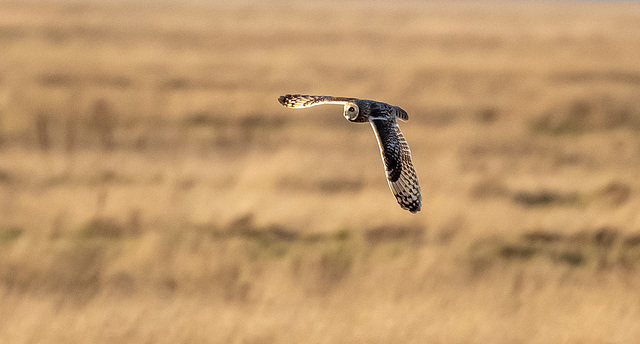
(153, 190)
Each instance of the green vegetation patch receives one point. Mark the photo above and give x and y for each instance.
(10, 234)
(594, 113)
(600, 248)
(336, 261)
(543, 198)
(103, 228)
(275, 241)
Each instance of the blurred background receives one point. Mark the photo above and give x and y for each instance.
(153, 190)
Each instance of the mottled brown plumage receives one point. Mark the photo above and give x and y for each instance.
(396, 155)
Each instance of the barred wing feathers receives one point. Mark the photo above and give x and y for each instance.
(305, 100)
(396, 155)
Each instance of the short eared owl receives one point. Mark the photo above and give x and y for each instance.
(394, 149)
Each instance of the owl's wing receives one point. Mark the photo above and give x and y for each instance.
(396, 156)
(305, 100)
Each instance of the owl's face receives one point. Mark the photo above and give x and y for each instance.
(351, 111)
(354, 112)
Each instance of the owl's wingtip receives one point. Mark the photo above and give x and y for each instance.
(289, 100)
(414, 207)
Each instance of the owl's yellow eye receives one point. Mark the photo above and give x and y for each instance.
(351, 109)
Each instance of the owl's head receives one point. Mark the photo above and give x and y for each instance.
(354, 112)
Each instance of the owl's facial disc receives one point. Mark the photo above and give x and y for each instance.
(351, 111)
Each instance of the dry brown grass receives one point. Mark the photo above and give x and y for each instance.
(153, 190)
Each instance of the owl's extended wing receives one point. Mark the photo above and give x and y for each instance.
(305, 100)
(396, 156)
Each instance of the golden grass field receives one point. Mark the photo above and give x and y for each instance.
(152, 189)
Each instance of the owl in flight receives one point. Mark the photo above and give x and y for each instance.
(394, 149)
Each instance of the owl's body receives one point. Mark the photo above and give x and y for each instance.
(394, 149)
